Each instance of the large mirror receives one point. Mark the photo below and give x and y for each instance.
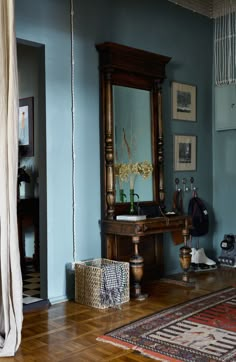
(131, 127)
(132, 143)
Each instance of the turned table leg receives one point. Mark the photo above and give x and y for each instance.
(185, 254)
(136, 265)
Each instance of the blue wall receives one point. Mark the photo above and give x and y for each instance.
(45, 22)
(157, 26)
(224, 170)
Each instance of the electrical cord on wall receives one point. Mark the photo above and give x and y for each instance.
(73, 127)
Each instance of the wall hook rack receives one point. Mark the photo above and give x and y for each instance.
(176, 184)
(186, 187)
(192, 187)
(184, 182)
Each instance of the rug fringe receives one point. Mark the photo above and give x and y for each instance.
(157, 358)
(110, 341)
(128, 346)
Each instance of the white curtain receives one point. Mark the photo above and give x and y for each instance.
(10, 272)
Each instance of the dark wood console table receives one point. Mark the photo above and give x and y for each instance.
(28, 215)
(135, 231)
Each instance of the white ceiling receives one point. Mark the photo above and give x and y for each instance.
(203, 7)
(209, 8)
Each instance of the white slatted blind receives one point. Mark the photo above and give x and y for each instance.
(224, 14)
(224, 42)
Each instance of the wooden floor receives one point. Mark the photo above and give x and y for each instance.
(67, 331)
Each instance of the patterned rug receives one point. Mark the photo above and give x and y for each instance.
(201, 330)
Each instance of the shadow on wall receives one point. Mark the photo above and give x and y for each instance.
(70, 281)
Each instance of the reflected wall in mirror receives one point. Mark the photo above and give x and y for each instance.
(131, 125)
(132, 143)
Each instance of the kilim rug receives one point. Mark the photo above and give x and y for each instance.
(200, 330)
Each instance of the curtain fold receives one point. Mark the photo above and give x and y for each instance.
(11, 314)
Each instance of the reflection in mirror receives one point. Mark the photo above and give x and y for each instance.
(132, 143)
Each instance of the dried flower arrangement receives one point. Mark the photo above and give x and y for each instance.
(128, 171)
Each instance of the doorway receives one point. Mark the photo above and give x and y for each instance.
(32, 215)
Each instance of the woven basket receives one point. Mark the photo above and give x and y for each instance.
(88, 278)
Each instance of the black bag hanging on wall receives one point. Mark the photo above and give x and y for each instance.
(200, 219)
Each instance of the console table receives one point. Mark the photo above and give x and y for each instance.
(27, 216)
(135, 231)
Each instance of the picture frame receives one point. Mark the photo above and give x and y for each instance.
(184, 101)
(185, 153)
(26, 127)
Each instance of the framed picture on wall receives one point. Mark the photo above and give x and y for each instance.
(185, 156)
(26, 126)
(183, 102)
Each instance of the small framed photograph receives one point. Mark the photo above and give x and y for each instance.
(183, 102)
(26, 126)
(185, 153)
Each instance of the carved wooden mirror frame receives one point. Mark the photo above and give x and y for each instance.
(130, 67)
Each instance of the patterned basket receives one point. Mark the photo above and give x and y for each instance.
(88, 279)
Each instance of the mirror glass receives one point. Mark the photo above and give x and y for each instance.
(132, 143)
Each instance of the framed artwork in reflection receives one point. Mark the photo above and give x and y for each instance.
(26, 126)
